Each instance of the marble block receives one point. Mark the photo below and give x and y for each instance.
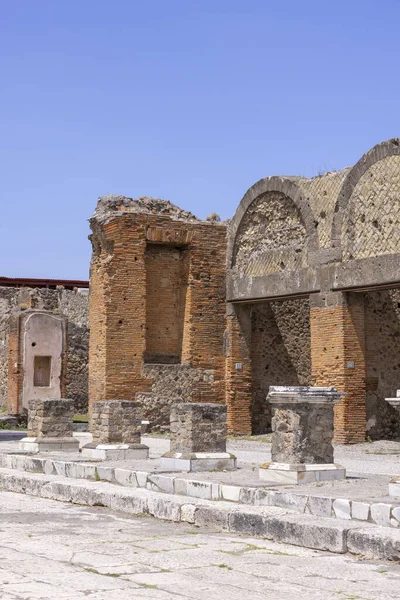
(49, 444)
(115, 451)
(286, 474)
(198, 461)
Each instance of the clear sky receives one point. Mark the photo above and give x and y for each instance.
(191, 101)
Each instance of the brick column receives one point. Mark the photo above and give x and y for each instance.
(238, 369)
(117, 310)
(338, 358)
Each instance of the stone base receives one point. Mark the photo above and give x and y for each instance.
(83, 437)
(115, 451)
(394, 487)
(286, 474)
(198, 461)
(43, 444)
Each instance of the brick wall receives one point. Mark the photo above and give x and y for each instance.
(166, 286)
(157, 288)
(238, 370)
(338, 343)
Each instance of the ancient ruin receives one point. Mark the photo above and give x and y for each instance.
(116, 427)
(44, 342)
(50, 426)
(157, 306)
(198, 439)
(300, 288)
(302, 434)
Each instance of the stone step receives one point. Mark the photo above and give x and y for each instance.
(368, 540)
(379, 513)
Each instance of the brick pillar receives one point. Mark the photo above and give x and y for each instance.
(117, 313)
(238, 370)
(338, 358)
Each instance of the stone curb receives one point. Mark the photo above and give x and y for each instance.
(378, 513)
(267, 522)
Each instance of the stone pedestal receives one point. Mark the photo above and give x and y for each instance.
(50, 427)
(302, 426)
(198, 439)
(116, 427)
(394, 485)
(395, 402)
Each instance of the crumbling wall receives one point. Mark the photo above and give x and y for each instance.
(157, 306)
(372, 218)
(382, 338)
(280, 352)
(171, 384)
(74, 306)
(271, 237)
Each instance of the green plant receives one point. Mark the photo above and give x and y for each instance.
(80, 418)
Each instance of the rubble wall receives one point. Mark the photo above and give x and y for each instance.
(280, 352)
(382, 340)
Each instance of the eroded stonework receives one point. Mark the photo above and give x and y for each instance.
(302, 424)
(198, 427)
(271, 237)
(322, 192)
(115, 421)
(382, 328)
(50, 418)
(372, 219)
(171, 384)
(280, 352)
(71, 304)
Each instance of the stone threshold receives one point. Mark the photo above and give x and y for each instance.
(267, 522)
(379, 513)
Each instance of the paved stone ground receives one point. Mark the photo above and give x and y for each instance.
(370, 466)
(50, 550)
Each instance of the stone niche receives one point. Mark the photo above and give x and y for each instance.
(198, 438)
(37, 358)
(302, 434)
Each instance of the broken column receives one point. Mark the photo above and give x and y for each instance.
(394, 485)
(50, 426)
(302, 426)
(198, 439)
(116, 427)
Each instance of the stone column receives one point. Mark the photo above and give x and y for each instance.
(198, 439)
(116, 427)
(302, 427)
(50, 426)
(338, 358)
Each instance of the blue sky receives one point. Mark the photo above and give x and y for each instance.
(188, 100)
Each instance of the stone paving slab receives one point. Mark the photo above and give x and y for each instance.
(266, 522)
(52, 550)
(362, 497)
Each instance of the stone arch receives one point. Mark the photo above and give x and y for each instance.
(367, 211)
(291, 225)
